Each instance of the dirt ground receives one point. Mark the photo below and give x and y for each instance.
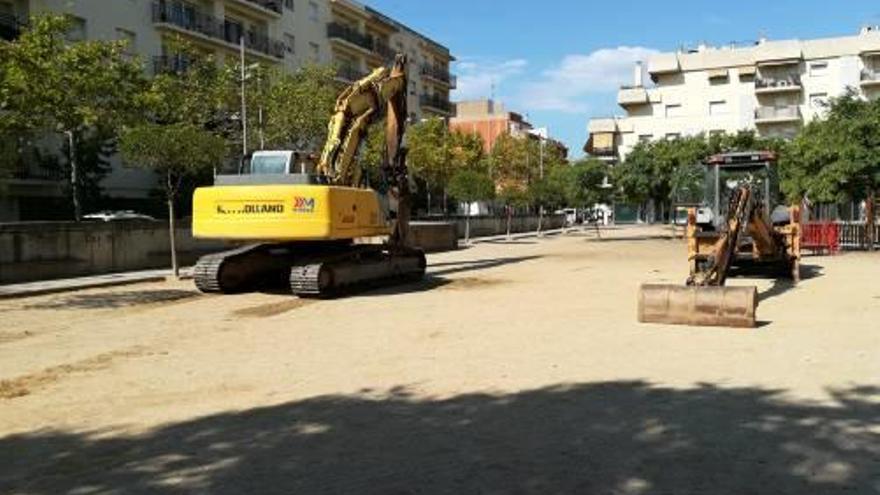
(515, 367)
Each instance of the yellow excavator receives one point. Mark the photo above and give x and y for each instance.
(747, 237)
(301, 223)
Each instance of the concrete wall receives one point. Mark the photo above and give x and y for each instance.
(46, 250)
(488, 226)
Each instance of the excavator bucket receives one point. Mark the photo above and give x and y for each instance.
(702, 306)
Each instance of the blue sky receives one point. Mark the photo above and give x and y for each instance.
(561, 64)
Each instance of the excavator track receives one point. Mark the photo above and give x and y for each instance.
(358, 269)
(240, 269)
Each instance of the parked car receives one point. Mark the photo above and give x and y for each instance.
(112, 216)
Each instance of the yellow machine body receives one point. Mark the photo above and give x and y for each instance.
(287, 212)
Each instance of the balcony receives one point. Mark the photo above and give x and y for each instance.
(383, 50)
(350, 35)
(10, 27)
(439, 74)
(777, 115)
(870, 78)
(436, 103)
(784, 84)
(270, 7)
(349, 74)
(187, 18)
(632, 95)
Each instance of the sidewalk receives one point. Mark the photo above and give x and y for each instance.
(68, 284)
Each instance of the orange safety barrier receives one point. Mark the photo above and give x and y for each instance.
(821, 236)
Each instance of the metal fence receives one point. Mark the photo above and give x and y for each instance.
(852, 235)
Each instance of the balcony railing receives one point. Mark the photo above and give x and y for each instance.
(439, 73)
(349, 73)
(194, 20)
(777, 114)
(353, 36)
(436, 102)
(870, 76)
(10, 27)
(273, 5)
(783, 83)
(383, 50)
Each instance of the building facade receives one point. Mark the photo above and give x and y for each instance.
(489, 119)
(283, 33)
(771, 87)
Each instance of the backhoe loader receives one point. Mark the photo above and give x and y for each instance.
(740, 228)
(299, 223)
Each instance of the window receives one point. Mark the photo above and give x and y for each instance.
(818, 68)
(412, 87)
(818, 101)
(315, 52)
(718, 107)
(673, 135)
(77, 29)
(288, 4)
(674, 111)
(313, 11)
(645, 138)
(233, 30)
(129, 38)
(289, 43)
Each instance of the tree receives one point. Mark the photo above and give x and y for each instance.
(547, 192)
(297, 108)
(584, 183)
(430, 155)
(469, 186)
(838, 157)
(173, 151)
(178, 137)
(512, 198)
(73, 88)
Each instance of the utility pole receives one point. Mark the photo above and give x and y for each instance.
(244, 147)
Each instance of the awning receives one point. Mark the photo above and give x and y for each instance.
(717, 73)
(747, 70)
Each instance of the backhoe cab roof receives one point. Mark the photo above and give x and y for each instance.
(741, 159)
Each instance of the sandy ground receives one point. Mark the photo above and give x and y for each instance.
(516, 367)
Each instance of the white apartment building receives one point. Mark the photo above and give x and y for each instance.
(772, 87)
(280, 33)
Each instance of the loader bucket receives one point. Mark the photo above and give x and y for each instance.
(693, 305)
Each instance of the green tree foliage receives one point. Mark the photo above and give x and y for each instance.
(838, 157)
(296, 108)
(430, 154)
(468, 186)
(75, 89)
(509, 163)
(669, 170)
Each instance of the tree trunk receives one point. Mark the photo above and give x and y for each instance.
(509, 218)
(445, 207)
(540, 219)
(467, 228)
(74, 179)
(428, 190)
(171, 230)
(869, 219)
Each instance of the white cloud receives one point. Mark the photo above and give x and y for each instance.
(563, 87)
(476, 77)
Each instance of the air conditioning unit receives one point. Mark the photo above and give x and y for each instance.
(783, 83)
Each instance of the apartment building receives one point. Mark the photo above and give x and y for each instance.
(281, 33)
(772, 87)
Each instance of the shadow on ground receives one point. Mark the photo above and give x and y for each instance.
(121, 299)
(596, 438)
